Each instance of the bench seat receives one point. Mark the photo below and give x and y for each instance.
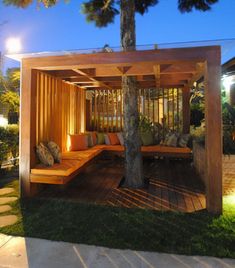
(65, 168)
(74, 162)
(83, 155)
(160, 150)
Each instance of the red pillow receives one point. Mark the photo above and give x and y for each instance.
(78, 142)
(114, 140)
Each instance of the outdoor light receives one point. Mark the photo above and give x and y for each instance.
(227, 82)
(3, 121)
(13, 45)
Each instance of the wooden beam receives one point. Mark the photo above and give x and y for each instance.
(213, 143)
(181, 67)
(80, 79)
(99, 84)
(200, 70)
(159, 56)
(156, 69)
(123, 69)
(63, 74)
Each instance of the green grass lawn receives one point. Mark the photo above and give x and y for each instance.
(192, 233)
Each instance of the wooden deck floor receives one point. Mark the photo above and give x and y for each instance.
(229, 175)
(172, 186)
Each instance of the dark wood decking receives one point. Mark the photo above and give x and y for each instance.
(172, 186)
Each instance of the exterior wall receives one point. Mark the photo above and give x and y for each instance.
(59, 110)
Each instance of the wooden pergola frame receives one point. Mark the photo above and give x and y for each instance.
(207, 61)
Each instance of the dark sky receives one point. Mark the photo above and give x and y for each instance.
(63, 27)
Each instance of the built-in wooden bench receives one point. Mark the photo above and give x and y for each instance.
(74, 162)
(71, 165)
(158, 150)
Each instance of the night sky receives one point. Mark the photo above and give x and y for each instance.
(63, 27)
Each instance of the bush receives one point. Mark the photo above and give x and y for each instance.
(13, 140)
(9, 139)
(3, 152)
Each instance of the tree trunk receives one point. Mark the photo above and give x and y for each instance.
(133, 156)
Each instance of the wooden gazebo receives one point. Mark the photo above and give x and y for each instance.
(55, 99)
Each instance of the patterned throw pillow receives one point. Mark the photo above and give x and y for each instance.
(106, 139)
(121, 138)
(164, 141)
(78, 142)
(44, 155)
(172, 140)
(55, 151)
(183, 140)
(113, 138)
(92, 140)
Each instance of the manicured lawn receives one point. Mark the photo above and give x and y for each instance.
(196, 233)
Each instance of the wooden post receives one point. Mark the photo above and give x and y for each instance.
(27, 129)
(213, 132)
(186, 110)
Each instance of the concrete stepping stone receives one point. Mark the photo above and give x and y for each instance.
(8, 220)
(5, 208)
(5, 200)
(6, 191)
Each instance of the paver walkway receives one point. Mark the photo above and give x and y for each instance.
(37, 253)
(6, 220)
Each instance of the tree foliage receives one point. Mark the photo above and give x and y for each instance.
(188, 5)
(10, 81)
(13, 79)
(103, 12)
(11, 99)
(9, 89)
(26, 3)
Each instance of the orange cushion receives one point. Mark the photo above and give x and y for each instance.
(114, 140)
(78, 142)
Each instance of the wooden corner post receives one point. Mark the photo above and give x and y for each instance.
(27, 128)
(213, 119)
(186, 109)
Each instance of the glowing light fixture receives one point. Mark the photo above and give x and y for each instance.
(13, 45)
(3, 121)
(227, 82)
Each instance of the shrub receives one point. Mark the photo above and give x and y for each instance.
(13, 140)
(12, 99)
(9, 139)
(3, 152)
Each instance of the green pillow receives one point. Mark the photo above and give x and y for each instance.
(90, 140)
(147, 138)
(100, 138)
